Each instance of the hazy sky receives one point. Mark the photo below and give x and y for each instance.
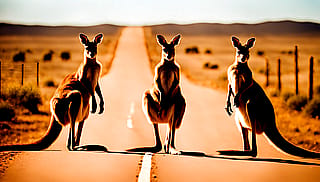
(141, 12)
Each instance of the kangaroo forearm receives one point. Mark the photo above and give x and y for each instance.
(98, 91)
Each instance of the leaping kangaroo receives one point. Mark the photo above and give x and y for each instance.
(164, 102)
(253, 109)
(70, 103)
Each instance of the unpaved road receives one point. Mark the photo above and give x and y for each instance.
(205, 128)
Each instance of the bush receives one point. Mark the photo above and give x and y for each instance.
(208, 51)
(210, 66)
(297, 102)
(192, 50)
(317, 90)
(313, 108)
(286, 95)
(7, 112)
(65, 56)
(275, 93)
(260, 53)
(48, 56)
(27, 96)
(49, 83)
(21, 56)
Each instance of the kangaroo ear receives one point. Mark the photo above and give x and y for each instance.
(250, 43)
(175, 41)
(84, 39)
(236, 42)
(161, 40)
(98, 38)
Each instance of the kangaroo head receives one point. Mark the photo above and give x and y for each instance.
(242, 54)
(90, 46)
(168, 50)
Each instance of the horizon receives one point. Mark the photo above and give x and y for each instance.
(144, 13)
(92, 25)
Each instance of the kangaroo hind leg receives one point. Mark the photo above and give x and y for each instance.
(75, 107)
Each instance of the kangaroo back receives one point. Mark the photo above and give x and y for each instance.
(52, 134)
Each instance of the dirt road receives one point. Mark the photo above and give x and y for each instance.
(205, 128)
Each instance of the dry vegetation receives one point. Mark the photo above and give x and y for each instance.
(302, 130)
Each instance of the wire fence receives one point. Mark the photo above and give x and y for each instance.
(18, 73)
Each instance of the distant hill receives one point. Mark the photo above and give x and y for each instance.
(272, 28)
(37, 30)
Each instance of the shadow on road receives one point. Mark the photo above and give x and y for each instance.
(101, 148)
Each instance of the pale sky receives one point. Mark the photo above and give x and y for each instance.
(145, 12)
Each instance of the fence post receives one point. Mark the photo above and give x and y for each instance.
(22, 73)
(267, 72)
(37, 74)
(311, 78)
(279, 75)
(0, 80)
(296, 69)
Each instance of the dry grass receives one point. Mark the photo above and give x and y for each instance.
(303, 130)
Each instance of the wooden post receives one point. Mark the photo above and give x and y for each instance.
(0, 80)
(296, 69)
(311, 78)
(279, 74)
(22, 73)
(37, 74)
(267, 72)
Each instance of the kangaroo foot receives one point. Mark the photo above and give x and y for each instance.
(238, 152)
(171, 150)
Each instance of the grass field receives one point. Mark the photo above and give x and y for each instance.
(302, 130)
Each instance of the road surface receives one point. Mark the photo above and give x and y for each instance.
(205, 128)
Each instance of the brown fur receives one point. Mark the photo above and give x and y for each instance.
(164, 102)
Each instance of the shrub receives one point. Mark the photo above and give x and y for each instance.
(262, 71)
(297, 102)
(48, 56)
(192, 50)
(210, 66)
(21, 56)
(275, 93)
(313, 108)
(65, 56)
(286, 95)
(49, 83)
(260, 53)
(317, 89)
(30, 98)
(208, 51)
(7, 112)
(27, 96)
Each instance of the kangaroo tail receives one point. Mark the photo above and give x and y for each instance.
(52, 134)
(274, 135)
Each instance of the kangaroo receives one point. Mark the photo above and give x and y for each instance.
(253, 110)
(164, 102)
(70, 103)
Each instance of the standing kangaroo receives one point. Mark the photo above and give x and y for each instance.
(164, 102)
(254, 111)
(70, 103)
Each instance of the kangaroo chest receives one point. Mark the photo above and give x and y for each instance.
(89, 74)
(168, 76)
